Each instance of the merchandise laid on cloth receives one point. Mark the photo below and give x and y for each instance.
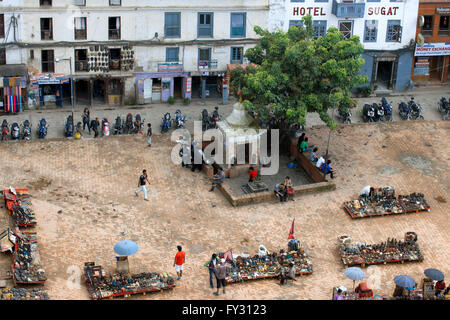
(244, 267)
(23, 294)
(392, 250)
(19, 207)
(382, 201)
(27, 267)
(102, 286)
(7, 240)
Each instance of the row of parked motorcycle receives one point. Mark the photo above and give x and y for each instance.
(23, 131)
(209, 121)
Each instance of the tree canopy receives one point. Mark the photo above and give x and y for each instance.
(293, 73)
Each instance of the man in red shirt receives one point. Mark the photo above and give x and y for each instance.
(252, 175)
(179, 261)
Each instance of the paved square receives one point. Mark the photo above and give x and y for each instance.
(93, 183)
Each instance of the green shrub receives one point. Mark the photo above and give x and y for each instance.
(171, 100)
(186, 101)
(365, 91)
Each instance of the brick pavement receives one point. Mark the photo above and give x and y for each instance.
(93, 183)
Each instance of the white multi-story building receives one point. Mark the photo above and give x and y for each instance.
(125, 51)
(386, 29)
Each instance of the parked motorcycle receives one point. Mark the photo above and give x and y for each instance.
(26, 130)
(118, 127)
(387, 109)
(15, 131)
(345, 115)
(105, 127)
(368, 113)
(5, 130)
(179, 119)
(404, 111)
(215, 117)
(444, 108)
(379, 112)
(68, 127)
(129, 124)
(416, 112)
(42, 128)
(165, 124)
(138, 124)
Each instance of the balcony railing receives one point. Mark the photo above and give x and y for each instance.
(114, 34)
(207, 64)
(348, 10)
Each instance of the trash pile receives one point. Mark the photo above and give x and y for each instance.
(392, 250)
(101, 286)
(383, 202)
(23, 294)
(27, 266)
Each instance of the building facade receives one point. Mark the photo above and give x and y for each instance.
(386, 29)
(432, 54)
(127, 51)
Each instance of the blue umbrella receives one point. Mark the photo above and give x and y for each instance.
(434, 274)
(126, 248)
(354, 273)
(404, 281)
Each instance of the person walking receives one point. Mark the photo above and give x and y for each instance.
(212, 268)
(149, 134)
(86, 119)
(141, 184)
(94, 125)
(180, 259)
(221, 273)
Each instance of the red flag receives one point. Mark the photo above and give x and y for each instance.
(291, 232)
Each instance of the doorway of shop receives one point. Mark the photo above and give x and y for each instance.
(99, 91)
(82, 92)
(384, 75)
(436, 68)
(177, 87)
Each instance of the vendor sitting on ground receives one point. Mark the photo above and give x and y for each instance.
(290, 275)
(439, 287)
(252, 174)
(218, 178)
(280, 192)
(367, 192)
(339, 295)
(363, 290)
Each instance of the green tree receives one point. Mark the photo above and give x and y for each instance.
(293, 74)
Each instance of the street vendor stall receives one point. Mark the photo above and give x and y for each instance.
(392, 250)
(27, 267)
(23, 294)
(382, 202)
(245, 267)
(102, 286)
(19, 207)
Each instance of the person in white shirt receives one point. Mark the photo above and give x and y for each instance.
(320, 162)
(365, 191)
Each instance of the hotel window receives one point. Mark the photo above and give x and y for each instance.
(172, 54)
(237, 55)
(205, 25)
(46, 29)
(295, 23)
(370, 31)
(80, 29)
(320, 28)
(443, 26)
(394, 31)
(172, 25)
(2, 56)
(238, 24)
(79, 3)
(427, 28)
(47, 61)
(114, 28)
(115, 2)
(2, 25)
(43, 3)
(81, 60)
(346, 28)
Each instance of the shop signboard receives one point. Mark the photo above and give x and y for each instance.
(443, 10)
(170, 66)
(433, 49)
(188, 84)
